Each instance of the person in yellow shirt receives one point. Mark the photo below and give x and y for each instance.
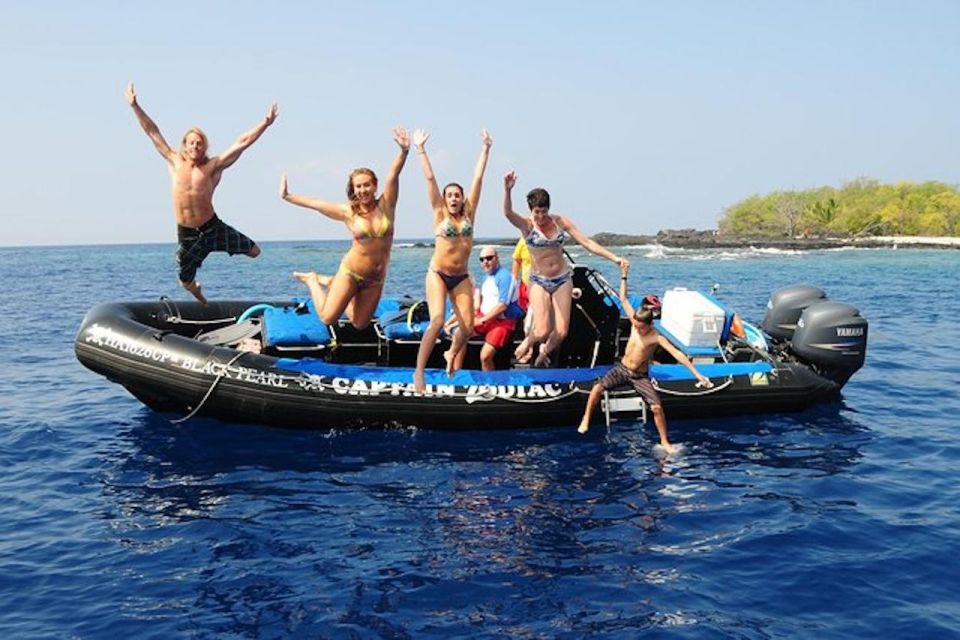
(521, 272)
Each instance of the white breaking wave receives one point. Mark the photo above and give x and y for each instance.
(660, 252)
(779, 252)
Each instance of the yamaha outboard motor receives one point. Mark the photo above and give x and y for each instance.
(786, 305)
(832, 336)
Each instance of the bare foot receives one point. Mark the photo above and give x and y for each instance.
(312, 277)
(669, 448)
(584, 427)
(543, 360)
(523, 351)
(306, 277)
(451, 362)
(195, 288)
(419, 386)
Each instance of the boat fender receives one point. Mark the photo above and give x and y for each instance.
(256, 309)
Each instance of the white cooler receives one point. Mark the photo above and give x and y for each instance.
(692, 318)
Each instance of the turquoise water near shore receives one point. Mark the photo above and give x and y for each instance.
(837, 522)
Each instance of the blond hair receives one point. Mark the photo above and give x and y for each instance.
(203, 138)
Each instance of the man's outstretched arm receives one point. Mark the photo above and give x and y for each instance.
(230, 156)
(684, 360)
(149, 126)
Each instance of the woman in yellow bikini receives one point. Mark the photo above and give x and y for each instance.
(358, 283)
(449, 275)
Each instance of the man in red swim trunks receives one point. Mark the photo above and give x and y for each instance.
(496, 312)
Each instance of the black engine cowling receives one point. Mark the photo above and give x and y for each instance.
(833, 337)
(786, 305)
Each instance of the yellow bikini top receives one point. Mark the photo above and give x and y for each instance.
(363, 228)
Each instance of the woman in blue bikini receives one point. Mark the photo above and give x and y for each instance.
(358, 283)
(449, 275)
(551, 284)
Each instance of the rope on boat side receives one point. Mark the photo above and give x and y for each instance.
(182, 320)
(705, 392)
(220, 376)
(174, 316)
(540, 400)
(305, 381)
(485, 391)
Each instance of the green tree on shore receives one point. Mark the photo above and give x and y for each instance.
(860, 207)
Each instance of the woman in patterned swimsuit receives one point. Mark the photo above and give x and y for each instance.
(448, 275)
(551, 285)
(358, 283)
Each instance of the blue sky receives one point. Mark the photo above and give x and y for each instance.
(636, 116)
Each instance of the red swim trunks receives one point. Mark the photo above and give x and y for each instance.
(495, 332)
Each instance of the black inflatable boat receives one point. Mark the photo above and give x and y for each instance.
(274, 363)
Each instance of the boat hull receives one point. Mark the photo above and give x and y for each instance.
(148, 348)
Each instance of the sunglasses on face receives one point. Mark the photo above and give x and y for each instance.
(485, 258)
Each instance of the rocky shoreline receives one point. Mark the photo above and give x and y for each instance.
(711, 239)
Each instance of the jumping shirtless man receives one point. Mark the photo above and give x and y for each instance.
(195, 176)
(633, 369)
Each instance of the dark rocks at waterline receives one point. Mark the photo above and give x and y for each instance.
(712, 239)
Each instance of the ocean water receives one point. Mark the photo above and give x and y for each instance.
(839, 522)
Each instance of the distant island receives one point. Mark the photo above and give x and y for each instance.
(862, 213)
(861, 208)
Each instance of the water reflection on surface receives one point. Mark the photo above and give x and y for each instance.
(406, 531)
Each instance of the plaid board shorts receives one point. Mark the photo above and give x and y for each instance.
(193, 245)
(620, 376)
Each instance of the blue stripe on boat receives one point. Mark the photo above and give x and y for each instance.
(519, 377)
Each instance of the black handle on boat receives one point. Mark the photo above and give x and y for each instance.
(763, 355)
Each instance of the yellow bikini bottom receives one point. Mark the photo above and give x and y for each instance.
(363, 282)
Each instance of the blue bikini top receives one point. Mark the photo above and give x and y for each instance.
(537, 240)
